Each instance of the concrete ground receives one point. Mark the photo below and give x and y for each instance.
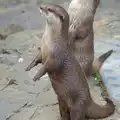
(21, 28)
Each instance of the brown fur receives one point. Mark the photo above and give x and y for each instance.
(67, 78)
(81, 35)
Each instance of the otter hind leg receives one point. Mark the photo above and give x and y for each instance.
(78, 111)
(35, 62)
(98, 62)
(103, 57)
(64, 110)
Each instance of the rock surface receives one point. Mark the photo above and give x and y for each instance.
(24, 99)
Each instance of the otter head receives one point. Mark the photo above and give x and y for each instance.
(55, 15)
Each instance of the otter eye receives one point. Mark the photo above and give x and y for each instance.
(61, 18)
(41, 8)
(50, 10)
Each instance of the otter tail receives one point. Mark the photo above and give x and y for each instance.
(97, 63)
(96, 111)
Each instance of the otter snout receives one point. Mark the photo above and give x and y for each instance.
(42, 9)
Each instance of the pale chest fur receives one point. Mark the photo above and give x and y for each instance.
(45, 47)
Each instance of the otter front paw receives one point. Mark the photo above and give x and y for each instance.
(39, 74)
(34, 63)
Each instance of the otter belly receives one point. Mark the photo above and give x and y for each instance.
(84, 53)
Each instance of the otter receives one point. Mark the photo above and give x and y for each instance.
(81, 35)
(66, 76)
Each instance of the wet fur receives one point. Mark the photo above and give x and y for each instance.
(67, 78)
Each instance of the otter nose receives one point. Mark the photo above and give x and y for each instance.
(41, 8)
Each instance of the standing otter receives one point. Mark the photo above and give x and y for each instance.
(65, 73)
(81, 35)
